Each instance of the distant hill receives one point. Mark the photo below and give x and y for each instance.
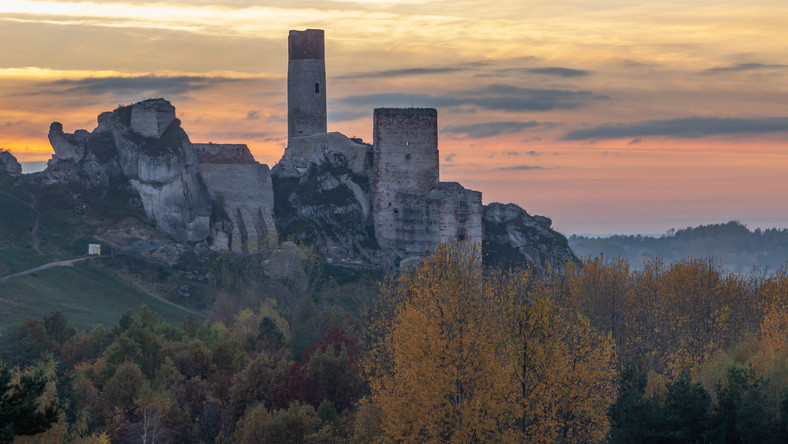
(736, 247)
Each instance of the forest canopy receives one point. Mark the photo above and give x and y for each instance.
(446, 351)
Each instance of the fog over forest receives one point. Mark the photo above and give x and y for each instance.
(735, 247)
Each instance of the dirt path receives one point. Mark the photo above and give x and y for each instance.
(71, 262)
(66, 263)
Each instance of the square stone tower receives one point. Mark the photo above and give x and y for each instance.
(306, 84)
(405, 171)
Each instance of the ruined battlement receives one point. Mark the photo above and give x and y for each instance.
(309, 44)
(223, 153)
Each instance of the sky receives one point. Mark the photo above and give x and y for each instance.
(608, 116)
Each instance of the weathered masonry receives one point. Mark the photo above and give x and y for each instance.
(243, 188)
(306, 84)
(412, 211)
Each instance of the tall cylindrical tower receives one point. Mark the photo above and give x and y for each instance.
(306, 84)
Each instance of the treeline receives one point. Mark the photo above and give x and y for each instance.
(681, 352)
(737, 248)
(145, 380)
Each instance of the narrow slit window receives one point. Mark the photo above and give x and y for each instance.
(317, 88)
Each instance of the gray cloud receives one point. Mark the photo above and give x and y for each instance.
(743, 67)
(520, 153)
(449, 157)
(688, 127)
(417, 71)
(253, 115)
(637, 64)
(507, 98)
(549, 71)
(347, 115)
(150, 84)
(520, 168)
(490, 129)
(401, 72)
(560, 72)
(21, 127)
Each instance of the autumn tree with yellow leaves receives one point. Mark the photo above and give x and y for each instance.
(564, 371)
(437, 372)
(460, 356)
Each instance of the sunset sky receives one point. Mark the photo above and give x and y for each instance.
(608, 116)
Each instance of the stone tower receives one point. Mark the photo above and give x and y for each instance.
(306, 84)
(405, 149)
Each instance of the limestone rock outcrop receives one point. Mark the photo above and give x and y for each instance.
(310, 150)
(513, 238)
(67, 146)
(9, 164)
(322, 197)
(145, 145)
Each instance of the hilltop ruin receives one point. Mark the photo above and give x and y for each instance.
(352, 202)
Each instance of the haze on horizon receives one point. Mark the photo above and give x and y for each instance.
(611, 117)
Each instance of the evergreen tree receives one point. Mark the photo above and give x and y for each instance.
(19, 405)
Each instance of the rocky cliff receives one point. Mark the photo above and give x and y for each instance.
(322, 197)
(145, 145)
(9, 164)
(514, 238)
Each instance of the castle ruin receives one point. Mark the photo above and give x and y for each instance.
(412, 211)
(352, 202)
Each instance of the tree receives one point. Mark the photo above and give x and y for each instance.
(462, 356)
(258, 382)
(774, 327)
(251, 428)
(435, 369)
(150, 408)
(292, 425)
(631, 415)
(21, 412)
(332, 366)
(740, 415)
(685, 413)
(563, 368)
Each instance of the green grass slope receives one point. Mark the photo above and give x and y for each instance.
(88, 294)
(40, 224)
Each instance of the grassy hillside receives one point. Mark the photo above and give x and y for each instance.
(40, 224)
(88, 294)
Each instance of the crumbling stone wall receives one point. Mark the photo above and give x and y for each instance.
(460, 216)
(223, 153)
(243, 189)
